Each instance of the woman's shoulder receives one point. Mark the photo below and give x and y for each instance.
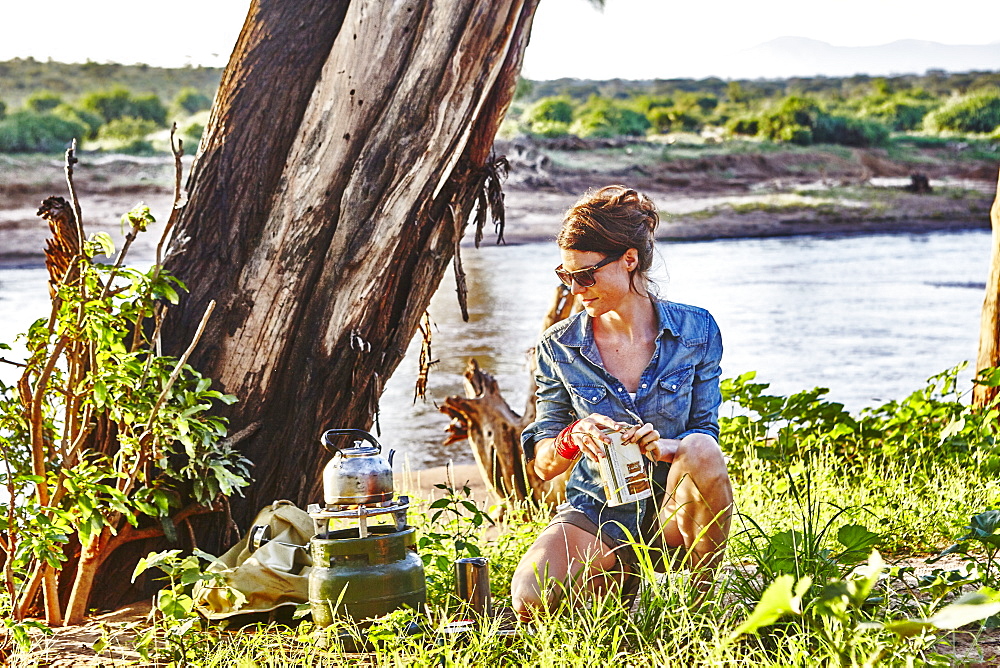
(572, 323)
(686, 321)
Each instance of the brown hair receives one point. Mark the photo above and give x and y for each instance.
(610, 221)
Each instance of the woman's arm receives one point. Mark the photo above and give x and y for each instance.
(585, 437)
(554, 413)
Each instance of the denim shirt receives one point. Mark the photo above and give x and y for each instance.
(678, 393)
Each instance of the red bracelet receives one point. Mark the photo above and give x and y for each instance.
(565, 447)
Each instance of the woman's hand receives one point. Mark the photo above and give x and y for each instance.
(655, 448)
(589, 435)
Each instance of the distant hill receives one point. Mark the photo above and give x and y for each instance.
(798, 56)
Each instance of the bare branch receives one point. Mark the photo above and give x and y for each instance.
(180, 198)
(71, 160)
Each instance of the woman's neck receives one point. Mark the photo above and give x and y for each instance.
(634, 319)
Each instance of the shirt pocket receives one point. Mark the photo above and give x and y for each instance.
(674, 397)
(589, 399)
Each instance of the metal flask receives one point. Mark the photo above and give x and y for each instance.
(358, 474)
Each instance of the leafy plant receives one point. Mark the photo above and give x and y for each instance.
(982, 537)
(105, 441)
(806, 551)
(451, 532)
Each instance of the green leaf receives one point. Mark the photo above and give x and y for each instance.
(174, 606)
(100, 393)
(440, 503)
(954, 427)
(101, 244)
(204, 556)
(857, 540)
(778, 600)
(972, 607)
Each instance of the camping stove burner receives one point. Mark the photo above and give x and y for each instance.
(322, 516)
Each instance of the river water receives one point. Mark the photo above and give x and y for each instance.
(870, 317)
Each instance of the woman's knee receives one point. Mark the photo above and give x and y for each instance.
(702, 452)
(528, 590)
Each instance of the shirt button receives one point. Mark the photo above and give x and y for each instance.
(595, 398)
(644, 384)
(621, 389)
(673, 387)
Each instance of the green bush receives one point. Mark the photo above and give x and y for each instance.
(191, 101)
(88, 119)
(800, 120)
(976, 112)
(191, 134)
(901, 113)
(29, 132)
(126, 129)
(601, 117)
(549, 117)
(118, 102)
(849, 131)
(748, 127)
(792, 121)
(550, 129)
(3, 110)
(42, 101)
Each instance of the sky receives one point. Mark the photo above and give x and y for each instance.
(633, 39)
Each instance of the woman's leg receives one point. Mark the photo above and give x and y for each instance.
(699, 504)
(564, 556)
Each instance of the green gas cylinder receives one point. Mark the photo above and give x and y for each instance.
(366, 577)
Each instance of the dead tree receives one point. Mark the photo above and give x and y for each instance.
(989, 327)
(493, 429)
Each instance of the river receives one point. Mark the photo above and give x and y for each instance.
(870, 317)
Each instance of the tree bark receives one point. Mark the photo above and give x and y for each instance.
(989, 328)
(346, 146)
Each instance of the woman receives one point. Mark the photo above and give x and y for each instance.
(632, 362)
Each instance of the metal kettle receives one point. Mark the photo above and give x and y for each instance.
(356, 475)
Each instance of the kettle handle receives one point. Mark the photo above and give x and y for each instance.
(327, 443)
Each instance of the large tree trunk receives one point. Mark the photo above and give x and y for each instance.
(989, 328)
(346, 147)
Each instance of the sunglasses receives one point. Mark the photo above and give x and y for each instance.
(584, 277)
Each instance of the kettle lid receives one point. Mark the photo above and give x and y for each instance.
(360, 449)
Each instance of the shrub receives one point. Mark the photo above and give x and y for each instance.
(29, 132)
(547, 115)
(791, 121)
(748, 127)
(88, 119)
(191, 101)
(899, 113)
(42, 101)
(3, 110)
(191, 134)
(549, 129)
(800, 120)
(118, 102)
(976, 112)
(125, 129)
(600, 117)
(849, 131)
